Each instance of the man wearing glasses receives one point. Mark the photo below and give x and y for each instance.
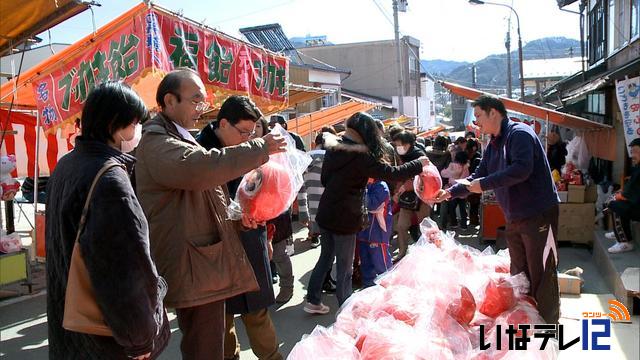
(235, 124)
(182, 189)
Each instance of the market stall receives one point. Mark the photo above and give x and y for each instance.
(138, 48)
(577, 193)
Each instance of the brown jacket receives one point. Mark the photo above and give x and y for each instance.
(181, 187)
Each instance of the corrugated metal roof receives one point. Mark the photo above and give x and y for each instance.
(551, 68)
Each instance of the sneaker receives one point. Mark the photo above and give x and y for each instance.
(620, 247)
(315, 242)
(285, 294)
(329, 287)
(610, 235)
(316, 309)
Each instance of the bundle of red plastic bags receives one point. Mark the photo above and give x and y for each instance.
(433, 304)
(266, 192)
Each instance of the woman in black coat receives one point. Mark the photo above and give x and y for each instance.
(348, 164)
(115, 239)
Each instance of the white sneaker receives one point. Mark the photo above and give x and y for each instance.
(621, 247)
(316, 309)
(610, 235)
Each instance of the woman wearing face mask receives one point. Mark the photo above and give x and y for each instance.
(348, 164)
(411, 208)
(113, 241)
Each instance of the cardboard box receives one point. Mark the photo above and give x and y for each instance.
(576, 222)
(576, 193)
(591, 194)
(569, 284)
(563, 195)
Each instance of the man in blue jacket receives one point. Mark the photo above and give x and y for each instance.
(515, 167)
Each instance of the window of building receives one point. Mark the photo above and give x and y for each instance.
(330, 100)
(596, 103)
(597, 39)
(635, 18)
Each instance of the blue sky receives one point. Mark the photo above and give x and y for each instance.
(447, 29)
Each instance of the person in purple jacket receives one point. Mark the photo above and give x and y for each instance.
(373, 242)
(515, 167)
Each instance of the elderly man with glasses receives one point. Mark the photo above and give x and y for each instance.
(182, 188)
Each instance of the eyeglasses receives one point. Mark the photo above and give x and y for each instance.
(251, 133)
(201, 106)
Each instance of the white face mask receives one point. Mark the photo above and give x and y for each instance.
(401, 150)
(127, 146)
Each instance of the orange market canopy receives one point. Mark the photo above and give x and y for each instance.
(22, 20)
(600, 138)
(307, 124)
(432, 131)
(139, 47)
(299, 94)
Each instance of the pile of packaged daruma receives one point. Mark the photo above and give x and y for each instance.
(430, 306)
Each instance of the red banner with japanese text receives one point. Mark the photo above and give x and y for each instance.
(142, 47)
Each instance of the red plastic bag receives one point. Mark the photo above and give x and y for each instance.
(499, 297)
(462, 309)
(266, 192)
(428, 183)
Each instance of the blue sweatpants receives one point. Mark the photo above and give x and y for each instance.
(375, 259)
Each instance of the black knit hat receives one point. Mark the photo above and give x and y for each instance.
(635, 142)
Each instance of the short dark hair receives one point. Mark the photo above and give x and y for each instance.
(440, 143)
(319, 140)
(329, 129)
(486, 103)
(393, 130)
(461, 157)
(635, 142)
(238, 107)
(278, 119)
(405, 137)
(471, 143)
(171, 83)
(460, 140)
(110, 106)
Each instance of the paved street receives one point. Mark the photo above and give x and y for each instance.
(23, 329)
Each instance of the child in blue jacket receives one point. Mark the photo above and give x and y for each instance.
(373, 242)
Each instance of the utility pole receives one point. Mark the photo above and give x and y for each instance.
(474, 78)
(507, 44)
(398, 56)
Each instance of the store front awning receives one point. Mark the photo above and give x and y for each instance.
(314, 121)
(22, 20)
(600, 138)
(432, 131)
(299, 94)
(556, 117)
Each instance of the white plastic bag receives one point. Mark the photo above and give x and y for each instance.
(578, 153)
(266, 192)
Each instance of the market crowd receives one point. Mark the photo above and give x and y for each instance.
(142, 203)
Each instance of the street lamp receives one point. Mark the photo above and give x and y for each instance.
(480, 2)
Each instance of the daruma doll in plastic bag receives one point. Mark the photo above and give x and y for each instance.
(266, 192)
(428, 183)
